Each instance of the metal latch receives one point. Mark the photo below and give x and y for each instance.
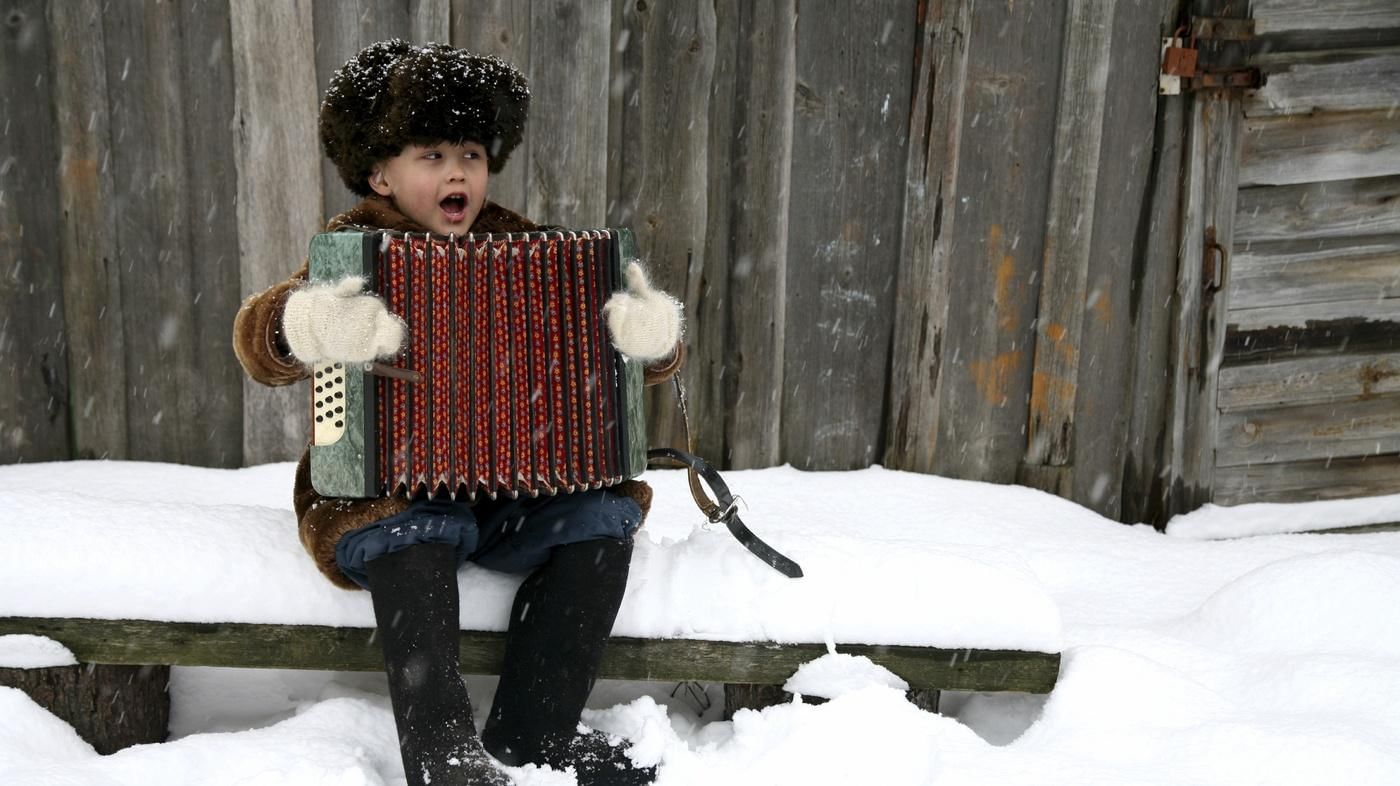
(1183, 67)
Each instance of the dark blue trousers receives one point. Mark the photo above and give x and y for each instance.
(508, 535)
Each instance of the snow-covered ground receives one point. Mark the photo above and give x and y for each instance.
(1271, 659)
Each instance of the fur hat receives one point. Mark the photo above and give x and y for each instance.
(394, 94)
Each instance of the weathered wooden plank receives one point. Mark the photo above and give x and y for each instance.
(710, 358)
(849, 139)
(430, 20)
(279, 189)
(354, 649)
(33, 416)
(92, 296)
(1316, 328)
(664, 187)
(1300, 41)
(1282, 16)
(1308, 380)
(502, 28)
(1312, 314)
(625, 112)
(1102, 433)
(569, 46)
(342, 28)
(1341, 208)
(1333, 429)
(215, 398)
(759, 202)
(922, 289)
(1069, 232)
(1145, 486)
(1315, 271)
(1013, 70)
(1302, 481)
(1214, 128)
(1325, 146)
(145, 73)
(1342, 80)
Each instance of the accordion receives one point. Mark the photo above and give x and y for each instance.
(507, 382)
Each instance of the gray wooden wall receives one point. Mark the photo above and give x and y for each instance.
(940, 235)
(1308, 389)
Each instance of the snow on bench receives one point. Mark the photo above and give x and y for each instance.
(143, 563)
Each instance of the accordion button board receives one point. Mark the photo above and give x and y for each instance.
(507, 382)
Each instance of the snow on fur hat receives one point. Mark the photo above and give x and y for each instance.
(394, 94)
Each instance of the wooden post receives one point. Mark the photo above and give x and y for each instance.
(1145, 480)
(663, 146)
(212, 395)
(758, 203)
(430, 20)
(342, 28)
(111, 707)
(1004, 164)
(1069, 233)
(34, 407)
(1118, 285)
(1210, 188)
(153, 236)
(917, 362)
(279, 190)
(92, 293)
(502, 28)
(569, 46)
(850, 125)
(752, 697)
(709, 363)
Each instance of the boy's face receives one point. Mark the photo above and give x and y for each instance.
(442, 186)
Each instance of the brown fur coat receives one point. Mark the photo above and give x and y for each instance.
(322, 521)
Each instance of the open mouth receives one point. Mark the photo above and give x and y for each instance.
(454, 207)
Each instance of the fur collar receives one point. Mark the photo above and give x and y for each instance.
(380, 213)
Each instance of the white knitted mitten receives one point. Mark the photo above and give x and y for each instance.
(644, 321)
(337, 321)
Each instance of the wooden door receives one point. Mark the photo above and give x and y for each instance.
(1309, 382)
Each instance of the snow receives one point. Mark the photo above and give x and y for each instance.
(1267, 659)
(22, 651)
(1266, 518)
(836, 674)
(230, 553)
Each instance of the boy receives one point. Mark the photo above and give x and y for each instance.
(417, 131)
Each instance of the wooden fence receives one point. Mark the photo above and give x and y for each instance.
(1308, 393)
(941, 235)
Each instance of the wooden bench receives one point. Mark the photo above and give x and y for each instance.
(149, 643)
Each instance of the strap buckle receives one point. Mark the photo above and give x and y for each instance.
(717, 516)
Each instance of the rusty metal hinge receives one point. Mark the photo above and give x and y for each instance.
(1184, 69)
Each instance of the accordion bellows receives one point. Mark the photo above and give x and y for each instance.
(507, 382)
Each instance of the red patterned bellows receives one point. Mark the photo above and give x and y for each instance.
(521, 390)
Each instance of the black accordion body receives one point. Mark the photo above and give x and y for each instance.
(507, 382)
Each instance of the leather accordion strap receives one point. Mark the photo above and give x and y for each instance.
(726, 509)
(729, 513)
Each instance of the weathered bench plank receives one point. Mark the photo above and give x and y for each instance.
(143, 642)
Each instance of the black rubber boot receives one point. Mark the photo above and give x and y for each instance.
(415, 606)
(559, 626)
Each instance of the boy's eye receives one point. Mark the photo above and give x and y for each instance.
(432, 155)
